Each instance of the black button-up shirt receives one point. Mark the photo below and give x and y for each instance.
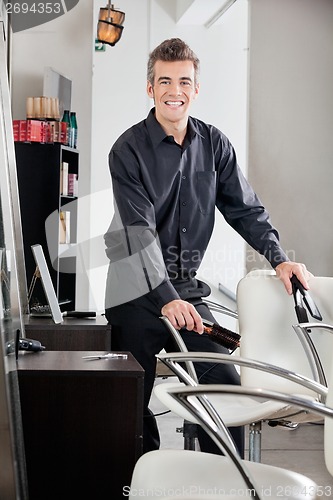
(165, 197)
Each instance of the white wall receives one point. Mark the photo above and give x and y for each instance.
(291, 123)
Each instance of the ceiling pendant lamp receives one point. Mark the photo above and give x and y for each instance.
(109, 28)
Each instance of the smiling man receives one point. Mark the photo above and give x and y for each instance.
(169, 172)
(174, 88)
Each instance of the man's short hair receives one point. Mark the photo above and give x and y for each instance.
(171, 50)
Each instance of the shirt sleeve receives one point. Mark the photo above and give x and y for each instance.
(242, 208)
(136, 260)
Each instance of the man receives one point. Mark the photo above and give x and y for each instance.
(168, 174)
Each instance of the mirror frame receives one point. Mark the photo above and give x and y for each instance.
(13, 477)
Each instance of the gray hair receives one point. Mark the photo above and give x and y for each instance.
(171, 50)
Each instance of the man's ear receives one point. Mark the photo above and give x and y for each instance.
(150, 90)
(196, 90)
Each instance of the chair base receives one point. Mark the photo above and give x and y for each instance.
(283, 423)
(255, 442)
(190, 435)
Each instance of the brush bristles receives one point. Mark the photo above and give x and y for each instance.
(223, 336)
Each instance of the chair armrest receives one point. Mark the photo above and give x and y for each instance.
(191, 375)
(214, 306)
(172, 360)
(182, 393)
(303, 331)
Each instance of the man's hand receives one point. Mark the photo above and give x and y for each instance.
(285, 271)
(183, 315)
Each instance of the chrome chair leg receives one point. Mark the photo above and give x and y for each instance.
(255, 442)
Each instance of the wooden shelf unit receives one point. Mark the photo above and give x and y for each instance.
(38, 172)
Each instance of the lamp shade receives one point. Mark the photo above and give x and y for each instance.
(117, 16)
(109, 32)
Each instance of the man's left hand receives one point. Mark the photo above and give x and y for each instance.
(285, 271)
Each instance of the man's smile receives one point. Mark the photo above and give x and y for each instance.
(174, 103)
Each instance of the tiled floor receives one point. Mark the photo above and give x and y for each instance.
(299, 450)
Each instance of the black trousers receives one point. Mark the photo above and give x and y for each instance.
(137, 328)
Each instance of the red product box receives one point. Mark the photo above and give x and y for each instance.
(46, 132)
(35, 131)
(20, 130)
(54, 133)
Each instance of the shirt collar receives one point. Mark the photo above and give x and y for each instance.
(193, 128)
(157, 133)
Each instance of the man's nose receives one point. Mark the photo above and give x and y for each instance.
(175, 89)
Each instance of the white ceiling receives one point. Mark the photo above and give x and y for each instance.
(199, 12)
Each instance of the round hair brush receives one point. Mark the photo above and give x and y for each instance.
(220, 335)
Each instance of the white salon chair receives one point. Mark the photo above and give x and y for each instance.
(270, 333)
(172, 473)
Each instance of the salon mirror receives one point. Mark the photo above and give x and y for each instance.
(13, 484)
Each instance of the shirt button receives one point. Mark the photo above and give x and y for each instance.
(184, 203)
(184, 177)
(184, 229)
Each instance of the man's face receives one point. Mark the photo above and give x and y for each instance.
(173, 91)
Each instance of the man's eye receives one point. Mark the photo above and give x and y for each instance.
(164, 82)
(187, 84)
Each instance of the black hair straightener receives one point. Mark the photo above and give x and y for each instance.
(302, 297)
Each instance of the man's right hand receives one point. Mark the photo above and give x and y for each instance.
(182, 314)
